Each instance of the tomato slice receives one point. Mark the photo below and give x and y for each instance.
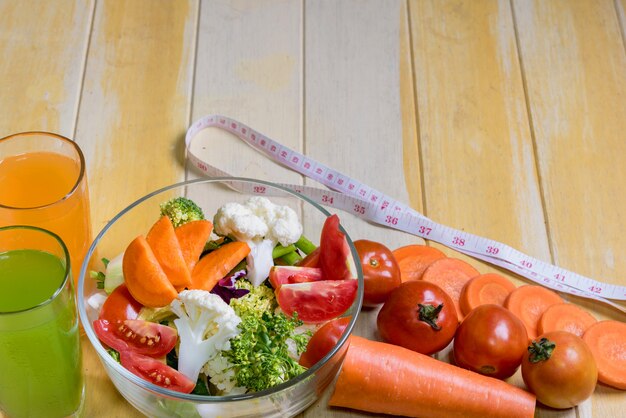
(154, 371)
(120, 305)
(335, 258)
(135, 335)
(311, 260)
(317, 302)
(323, 341)
(280, 275)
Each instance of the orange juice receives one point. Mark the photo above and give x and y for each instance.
(47, 190)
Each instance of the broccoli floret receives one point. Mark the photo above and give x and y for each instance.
(260, 353)
(181, 210)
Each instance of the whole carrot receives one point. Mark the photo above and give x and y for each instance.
(384, 378)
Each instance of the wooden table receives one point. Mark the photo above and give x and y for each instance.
(502, 118)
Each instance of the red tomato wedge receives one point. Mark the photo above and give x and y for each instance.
(120, 305)
(311, 260)
(280, 275)
(335, 257)
(154, 371)
(316, 302)
(141, 337)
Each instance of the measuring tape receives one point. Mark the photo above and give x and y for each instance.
(367, 203)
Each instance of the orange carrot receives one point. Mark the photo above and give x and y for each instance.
(216, 264)
(565, 317)
(192, 237)
(450, 274)
(528, 303)
(489, 288)
(145, 279)
(388, 379)
(607, 341)
(413, 260)
(162, 239)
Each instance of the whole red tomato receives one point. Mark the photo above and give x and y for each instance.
(490, 341)
(381, 273)
(419, 316)
(559, 369)
(323, 341)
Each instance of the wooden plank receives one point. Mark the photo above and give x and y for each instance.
(359, 103)
(579, 120)
(43, 55)
(475, 139)
(134, 109)
(360, 115)
(248, 68)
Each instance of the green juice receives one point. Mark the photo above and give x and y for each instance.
(40, 357)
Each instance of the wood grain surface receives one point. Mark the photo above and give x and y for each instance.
(502, 118)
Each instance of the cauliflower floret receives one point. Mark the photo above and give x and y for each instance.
(222, 375)
(261, 224)
(205, 325)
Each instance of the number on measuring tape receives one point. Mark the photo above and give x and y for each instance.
(359, 209)
(492, 250)
(391, 220)
(424, 230)
(458, 241)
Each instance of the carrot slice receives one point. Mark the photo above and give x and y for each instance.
(528, 303)
(450, 274)
(565, 317)
(192, 237)
(389, 379)
(489, 288)
(413, 260)
(145, 279)
(215, 265)
(607, 341)
(162, 239)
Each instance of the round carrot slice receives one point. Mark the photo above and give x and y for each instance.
(145, 279)
(565, 317)
(528, 303)
(607, 341)
(414, 259)
(451, 274)
(489, 288)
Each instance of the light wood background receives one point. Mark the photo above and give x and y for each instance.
(506, 119)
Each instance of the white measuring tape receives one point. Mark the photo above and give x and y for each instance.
(365, 202)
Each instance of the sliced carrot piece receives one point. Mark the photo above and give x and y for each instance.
(607, 341)
(192, 237)
(162, 239)
(388, 379)
(145, 279)
(215, 265)
(451, 274)
(414, 259)
(528, 303)
(489, 288)
(565, 317)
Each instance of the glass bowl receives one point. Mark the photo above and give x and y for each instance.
(287, 399)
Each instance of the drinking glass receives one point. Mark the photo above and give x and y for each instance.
(43, 183)
(40, 366)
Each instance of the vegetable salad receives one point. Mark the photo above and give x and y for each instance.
(221, 307)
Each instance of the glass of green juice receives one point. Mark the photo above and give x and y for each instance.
(40, 355)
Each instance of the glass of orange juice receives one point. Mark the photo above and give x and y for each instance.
(43, 183)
